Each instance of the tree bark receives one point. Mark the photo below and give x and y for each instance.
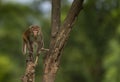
(52, 59)
(31, 64)
(29, 75)
(55, 20)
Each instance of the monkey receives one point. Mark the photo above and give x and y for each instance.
(32, 38)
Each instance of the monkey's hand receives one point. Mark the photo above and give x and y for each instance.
(43, 49)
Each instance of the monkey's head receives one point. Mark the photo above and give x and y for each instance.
(35, 30)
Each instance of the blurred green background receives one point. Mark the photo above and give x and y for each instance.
(93, 49)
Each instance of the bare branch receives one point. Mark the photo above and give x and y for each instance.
(73, 13)
(55, 17)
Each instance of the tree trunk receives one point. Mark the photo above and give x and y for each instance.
(49, 74)
(59, 38)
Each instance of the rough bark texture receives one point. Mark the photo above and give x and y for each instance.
(31, 64)
(52, 59)
(29, 75)
(55, 20)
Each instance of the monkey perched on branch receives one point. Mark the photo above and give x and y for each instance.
(33, 38)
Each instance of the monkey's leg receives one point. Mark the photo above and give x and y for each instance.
(39, 47)
(36, 59)
(38, 53)
(31, 51)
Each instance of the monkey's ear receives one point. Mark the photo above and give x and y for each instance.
(30, 28)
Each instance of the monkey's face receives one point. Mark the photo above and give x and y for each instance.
(35, 30)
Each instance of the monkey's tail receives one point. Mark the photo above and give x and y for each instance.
(24, 48)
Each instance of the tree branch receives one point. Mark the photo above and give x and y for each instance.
(73, 13)
(67, 25)
(52, 58)
(55, 17)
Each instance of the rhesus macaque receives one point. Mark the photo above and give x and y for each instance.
(32, 38)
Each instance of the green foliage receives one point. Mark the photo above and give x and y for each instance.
(6, 68)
